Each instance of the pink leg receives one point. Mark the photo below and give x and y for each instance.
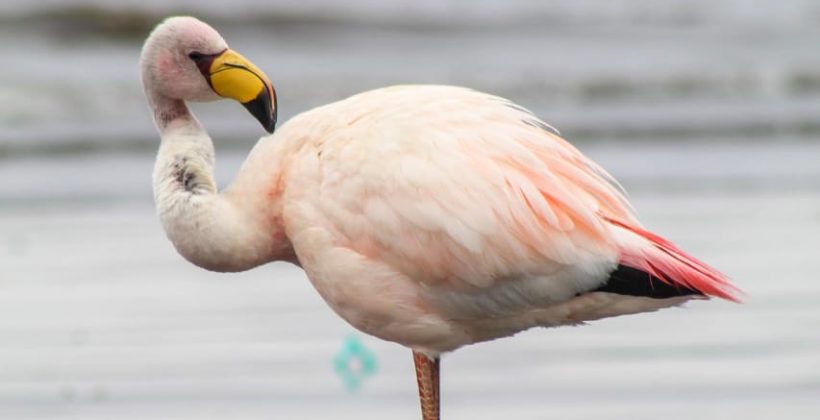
(427, 373)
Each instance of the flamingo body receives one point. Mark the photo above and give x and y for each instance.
(437, 216)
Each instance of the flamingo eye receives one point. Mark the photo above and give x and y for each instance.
(196, 56)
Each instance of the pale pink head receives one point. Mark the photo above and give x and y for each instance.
(186, 59)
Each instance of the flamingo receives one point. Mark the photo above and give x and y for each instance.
(430, 216)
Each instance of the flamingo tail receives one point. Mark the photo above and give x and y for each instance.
(654, 267)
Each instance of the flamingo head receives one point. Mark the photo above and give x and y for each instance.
(184, 58)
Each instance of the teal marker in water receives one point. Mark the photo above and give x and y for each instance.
(354, 363)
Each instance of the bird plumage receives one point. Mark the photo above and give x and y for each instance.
(422, 212)
(432, 216)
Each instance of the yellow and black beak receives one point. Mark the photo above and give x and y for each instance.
(232, 76)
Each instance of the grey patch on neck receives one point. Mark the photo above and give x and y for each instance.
(535, 122)
(186, 178)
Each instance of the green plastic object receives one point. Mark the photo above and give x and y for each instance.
(354, 363)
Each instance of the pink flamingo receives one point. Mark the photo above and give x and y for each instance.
(430, 216)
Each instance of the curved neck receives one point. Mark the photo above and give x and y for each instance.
(219, 232)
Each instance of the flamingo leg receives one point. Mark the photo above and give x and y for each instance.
(427, 374)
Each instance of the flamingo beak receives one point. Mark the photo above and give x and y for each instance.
(233, 76)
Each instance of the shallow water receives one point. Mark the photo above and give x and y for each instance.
(706, 113)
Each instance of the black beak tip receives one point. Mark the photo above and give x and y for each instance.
(263, 110)
(270, 125)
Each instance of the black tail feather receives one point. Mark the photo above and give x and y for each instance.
(633, 282)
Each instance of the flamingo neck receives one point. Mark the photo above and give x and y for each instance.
(219, 232)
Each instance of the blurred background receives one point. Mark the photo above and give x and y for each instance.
(708, 111)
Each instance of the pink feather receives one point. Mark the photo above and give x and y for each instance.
(662, 259)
